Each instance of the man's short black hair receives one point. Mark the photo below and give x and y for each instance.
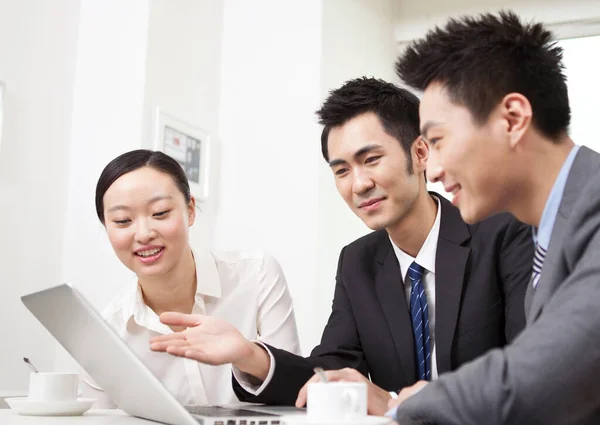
(479, 60)
(396, 108)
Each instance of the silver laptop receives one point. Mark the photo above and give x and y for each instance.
(98, 349)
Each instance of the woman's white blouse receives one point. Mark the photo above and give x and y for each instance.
(247, 289)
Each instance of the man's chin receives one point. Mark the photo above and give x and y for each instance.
(376, 224)
(473, 215)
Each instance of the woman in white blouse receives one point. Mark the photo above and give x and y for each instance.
(143, 199)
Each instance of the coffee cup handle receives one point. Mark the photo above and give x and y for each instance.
(350, 398)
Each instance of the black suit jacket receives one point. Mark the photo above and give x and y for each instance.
(481, 275)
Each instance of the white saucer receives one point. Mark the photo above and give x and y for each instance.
(362, 420)
(24, 406)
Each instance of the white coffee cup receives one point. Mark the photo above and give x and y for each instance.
(336, 400)
(51, 386)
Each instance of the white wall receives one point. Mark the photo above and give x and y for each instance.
(357, 40)
(183, 78)
(37, 62)
(106, 121)
(269, 173)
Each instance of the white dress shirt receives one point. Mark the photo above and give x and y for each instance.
(246, 289)
(425, 258)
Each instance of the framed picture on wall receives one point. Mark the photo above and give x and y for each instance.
(189, 146)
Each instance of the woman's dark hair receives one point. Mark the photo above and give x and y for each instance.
(131, 161)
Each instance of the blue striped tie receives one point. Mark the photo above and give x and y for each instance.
(420, 321)
(538, 263)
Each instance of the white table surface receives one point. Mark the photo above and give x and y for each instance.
(91, 417)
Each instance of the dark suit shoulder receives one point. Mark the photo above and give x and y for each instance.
(498, 224)
(364, 254)
(367, 246)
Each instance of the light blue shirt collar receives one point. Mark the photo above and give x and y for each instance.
(543, 233)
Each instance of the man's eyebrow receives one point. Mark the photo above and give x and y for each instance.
(357, 154)
(425, 128)
(335, 162)
(365, 149)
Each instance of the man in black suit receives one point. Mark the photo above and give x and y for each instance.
(418, 297)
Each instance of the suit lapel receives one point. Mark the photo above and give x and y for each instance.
(586, 162)
(390, 292)
(450, 264)
(543, 292)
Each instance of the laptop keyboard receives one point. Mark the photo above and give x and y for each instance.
(227, 412)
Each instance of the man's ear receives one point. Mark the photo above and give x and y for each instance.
(516, 111)
(420, 154)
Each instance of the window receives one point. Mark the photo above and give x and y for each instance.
(581, 68)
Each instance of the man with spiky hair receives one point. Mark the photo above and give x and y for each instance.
(495, 113)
